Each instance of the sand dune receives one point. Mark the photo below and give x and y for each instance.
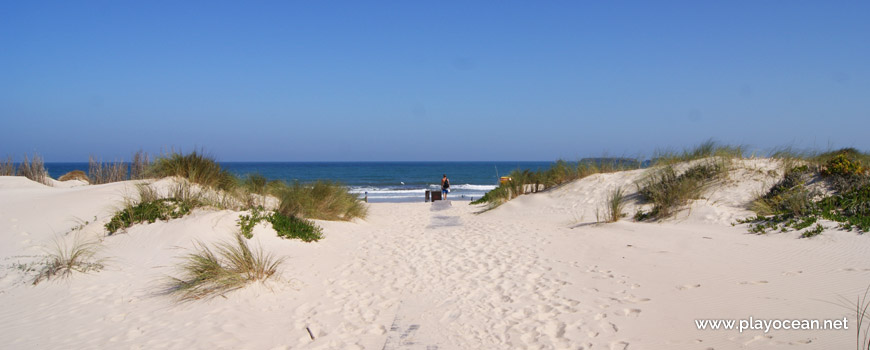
(536, 273)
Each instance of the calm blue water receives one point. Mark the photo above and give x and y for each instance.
(384, 181)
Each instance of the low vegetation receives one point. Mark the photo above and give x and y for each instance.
(7, 167)
(66, 258)
(290, 227)
(522, 181)
(707, 149)
(33, 169)
(323, 200)
(211, 271)
(196, 167)
(151, 207)
(74, 175)
(295, 227)
(862, 315)
(102, 173)
(797, 201)
(668, 191)
(615, 202)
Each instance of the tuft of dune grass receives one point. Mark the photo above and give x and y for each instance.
(34, 169)
(211, 271)
(74, 175)
(7, 167)
(668, 191)
(324, 200)
(102, 173)
(196, 167)
(65, 258)
(615, 202)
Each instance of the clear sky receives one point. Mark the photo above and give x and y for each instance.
(429, 80)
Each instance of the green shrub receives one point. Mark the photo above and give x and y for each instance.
(324, 200)
(195, 167)
(814, 232)
(248, 222)
(843, 165)
(150, 211)
(294, 227)
(208, 272)
(790, 205)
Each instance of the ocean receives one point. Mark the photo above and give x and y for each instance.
(380, 181)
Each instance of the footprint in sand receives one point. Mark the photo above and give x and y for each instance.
(631, 312)
(688, 286)
(754, 282)
(619, 345)
(792, 273)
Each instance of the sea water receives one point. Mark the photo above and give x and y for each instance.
(378, 181)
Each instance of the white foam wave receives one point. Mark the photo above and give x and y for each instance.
(462, 188)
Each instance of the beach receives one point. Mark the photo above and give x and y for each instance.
(538, 272)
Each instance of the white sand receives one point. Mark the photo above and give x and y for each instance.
(536, 273)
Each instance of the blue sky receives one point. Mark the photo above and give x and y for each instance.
(414, 80)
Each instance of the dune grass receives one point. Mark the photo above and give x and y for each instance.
(74, 175)
(211, 271)
(34, 169)
(614, 205)
(139, 165)
(66, 258)
(324, 200)
(7, 167)
(706, 149)
(522, 181)
(255, 188)
(102, 173)
(668, 191)
(862, 315)
(196, 167)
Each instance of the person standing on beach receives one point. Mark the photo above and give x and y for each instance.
(445, 186)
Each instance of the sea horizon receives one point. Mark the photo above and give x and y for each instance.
(376, 181)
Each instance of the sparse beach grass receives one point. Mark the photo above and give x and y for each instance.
(34, 169)
(211, 271)
(668, 191)
(7, 167)
(615, 202)
(522, 181)
(102, 173)
(68, 257)
(707, 149)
